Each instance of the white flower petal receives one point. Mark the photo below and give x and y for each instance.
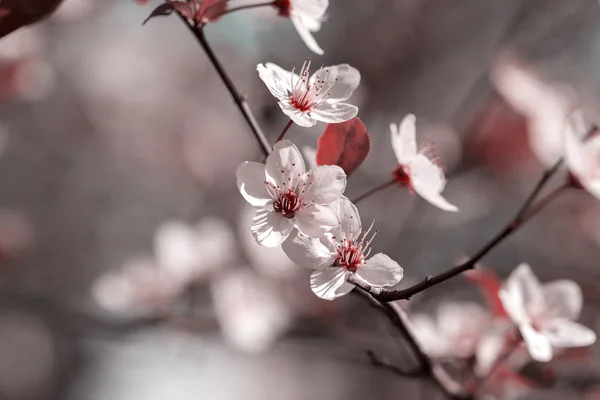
(563, 299)
(427, 176)
(325, 184)
(315, 220)
(428, 335)
(564, 333)
(380, 270)
(339, 81)
(537, 344)
(347, 216)
(277, 80)
(437, 200)
(428, 181)
(308, 252)
(489, 348)
(575, 153)
(285, 162)
(270, 229)
(300, 118)
(334, 113)
(305, 34)
(251, 183)
(404, 139)
(313, 9)
(330, 283)
(250, 311)
(177, 249)
(527, 289)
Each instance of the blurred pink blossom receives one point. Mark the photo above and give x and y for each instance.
(546, 106)
(184, 255)
(455, 332)
(189, 253)
(250, 311)
(545, 314)
(24, 72)
(140, 288)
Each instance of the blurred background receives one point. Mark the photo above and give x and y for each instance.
(119, 146)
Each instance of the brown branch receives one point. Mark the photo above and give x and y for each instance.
(426, 367)
(373, 191)
(284, 131)
(524, 214)
(239, 100)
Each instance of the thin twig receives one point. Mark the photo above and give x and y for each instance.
(373, 191)
(239, 100)
(284, 131)
(525, 213)
(428, 369)
(248, 6)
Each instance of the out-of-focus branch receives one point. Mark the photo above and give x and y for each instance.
(249, 6)
(426, 368)
(385, 364)
(239, 100)
(524, 214)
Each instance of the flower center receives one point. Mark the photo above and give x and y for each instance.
(306, 95)
(288, 198)
(352, 252)
(284, 7)
(287, 203)
(402, 175)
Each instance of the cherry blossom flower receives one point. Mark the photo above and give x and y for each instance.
(545, 314)
(455, 332)
(250, 311)
(288, 197)
(306, 15)
(582, 154)
(190, 253)
(184, 254)
(140, 288)
(270, 262)
(340, 253)
(545, 105)
(307, 99)
(417, 169)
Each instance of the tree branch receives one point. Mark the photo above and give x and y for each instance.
(524, 214)
(239, 100)
(426, 367)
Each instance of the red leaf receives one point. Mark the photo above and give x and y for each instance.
(168, 8)
(345, 145)
(489, 284)
(211, 10)
(18, 13)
